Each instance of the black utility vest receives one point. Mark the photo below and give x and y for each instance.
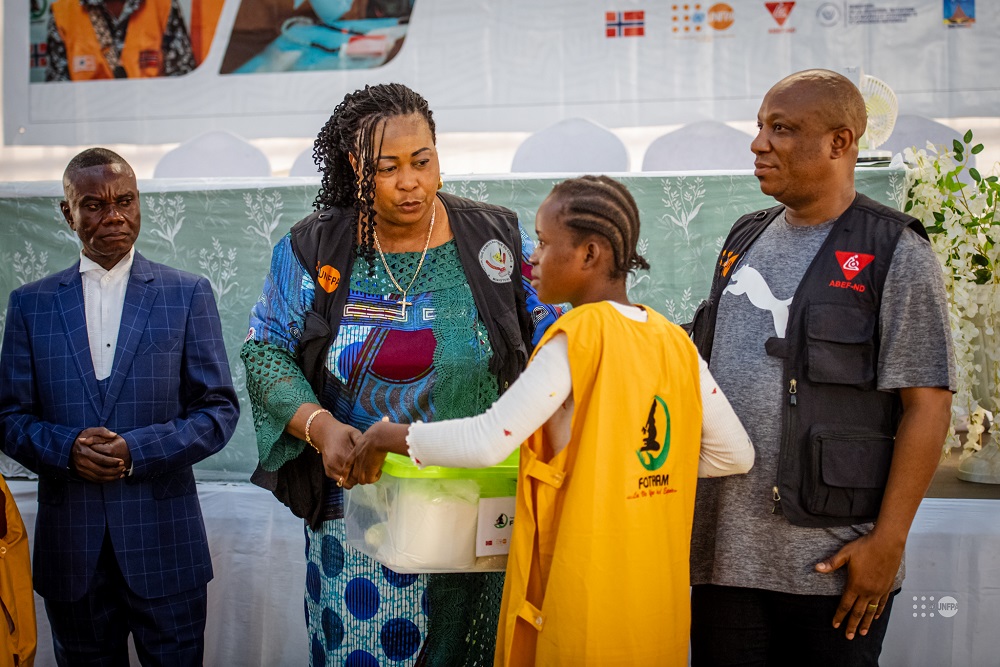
(324, 243)
(839, 430)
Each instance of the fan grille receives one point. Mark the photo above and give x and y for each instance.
(882, 107)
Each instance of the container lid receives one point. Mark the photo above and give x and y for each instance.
(402, 466)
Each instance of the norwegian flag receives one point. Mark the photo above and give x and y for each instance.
(625, 24)
(39, 54)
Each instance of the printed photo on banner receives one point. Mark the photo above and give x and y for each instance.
(959, 13)
(315, 35)
(87, 40)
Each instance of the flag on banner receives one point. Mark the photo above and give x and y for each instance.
(625, 24)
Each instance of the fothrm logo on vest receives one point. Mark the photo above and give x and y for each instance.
(655, 448)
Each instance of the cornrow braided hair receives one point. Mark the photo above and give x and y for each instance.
(603, 206)
(352, 129)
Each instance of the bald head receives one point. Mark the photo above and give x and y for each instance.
(806, 146)
(93, 157)
(833, 98)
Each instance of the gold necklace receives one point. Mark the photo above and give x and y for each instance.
(403, 303)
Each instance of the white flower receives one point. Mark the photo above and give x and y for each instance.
(961, 231)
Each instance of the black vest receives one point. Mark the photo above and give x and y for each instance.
(839, 430)
(324, 243)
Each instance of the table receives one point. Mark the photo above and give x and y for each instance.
(947, 611)
(945, 615)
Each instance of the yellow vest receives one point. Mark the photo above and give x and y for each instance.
(598, 568)
(204, 19)
(142, 54)
(16, 596)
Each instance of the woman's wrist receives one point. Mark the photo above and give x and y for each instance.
(323, 429)
(312, 424)
(319, 412)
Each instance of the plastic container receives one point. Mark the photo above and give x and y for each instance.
(428, 520)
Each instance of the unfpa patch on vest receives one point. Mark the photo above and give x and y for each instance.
(328, 278)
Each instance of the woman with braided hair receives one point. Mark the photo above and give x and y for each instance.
(618, 416)
(392, 298)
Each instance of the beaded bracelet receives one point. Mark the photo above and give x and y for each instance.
(309, 423)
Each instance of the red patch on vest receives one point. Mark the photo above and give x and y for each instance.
(150, 58)
(851, 263)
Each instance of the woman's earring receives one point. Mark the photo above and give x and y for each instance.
(440, 183)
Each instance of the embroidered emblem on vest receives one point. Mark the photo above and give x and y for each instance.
(328, 278)
(851, 263)
(497, 261)
(726, 261)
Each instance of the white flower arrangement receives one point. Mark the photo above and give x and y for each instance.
(958, 207)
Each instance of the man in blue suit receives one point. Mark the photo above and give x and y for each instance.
(114, 380)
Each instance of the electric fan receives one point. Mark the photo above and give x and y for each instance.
(882, 108)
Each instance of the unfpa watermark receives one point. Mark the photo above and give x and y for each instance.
(929, 606)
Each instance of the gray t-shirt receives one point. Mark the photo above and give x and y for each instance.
(738, 540)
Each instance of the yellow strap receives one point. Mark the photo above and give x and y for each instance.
(543, 472)
(532, 615)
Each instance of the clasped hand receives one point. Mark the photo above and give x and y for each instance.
(351, 457)
(99, 455)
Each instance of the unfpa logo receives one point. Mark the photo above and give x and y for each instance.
(927, 606)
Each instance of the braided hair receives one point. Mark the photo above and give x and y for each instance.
(603, 206)
(352, 130)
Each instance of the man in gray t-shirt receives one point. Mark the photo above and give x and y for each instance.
(766, 591)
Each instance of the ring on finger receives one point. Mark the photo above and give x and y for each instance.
(340, 481)
(872, 606)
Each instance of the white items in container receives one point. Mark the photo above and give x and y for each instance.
(415, 520)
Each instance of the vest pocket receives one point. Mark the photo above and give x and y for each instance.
(840, 346)
(846, 471)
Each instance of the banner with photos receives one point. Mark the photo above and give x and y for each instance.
(155, 71)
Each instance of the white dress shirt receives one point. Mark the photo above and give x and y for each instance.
(103, 299)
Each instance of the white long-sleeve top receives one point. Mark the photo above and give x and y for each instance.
(543, 397)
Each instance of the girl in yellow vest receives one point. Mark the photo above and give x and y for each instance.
(618, 417)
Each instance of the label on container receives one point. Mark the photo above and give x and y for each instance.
(496, 522)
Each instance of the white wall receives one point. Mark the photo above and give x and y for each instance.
(461, 152)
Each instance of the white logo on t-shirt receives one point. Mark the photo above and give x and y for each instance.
(747, 280)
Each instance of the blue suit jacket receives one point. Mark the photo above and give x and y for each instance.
(170, 396)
